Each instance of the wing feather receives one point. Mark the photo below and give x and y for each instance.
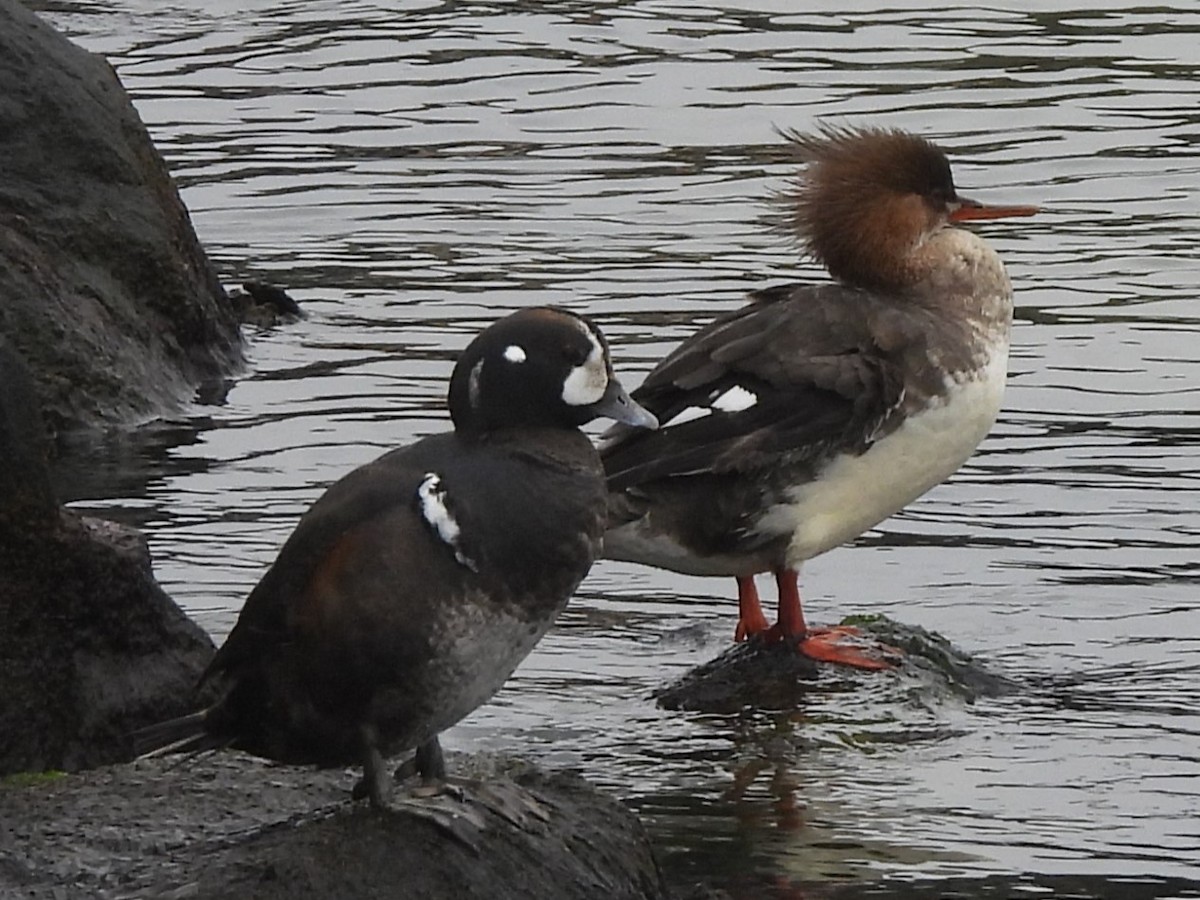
(821, 379)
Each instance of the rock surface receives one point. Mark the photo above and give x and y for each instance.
(104, 288)
(265, 305)
(237, 827)
(26, 497)
(762, 676)
(90, 647)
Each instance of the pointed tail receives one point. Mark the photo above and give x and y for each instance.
(186, 734)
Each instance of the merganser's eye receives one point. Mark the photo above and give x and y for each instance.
(942, 196)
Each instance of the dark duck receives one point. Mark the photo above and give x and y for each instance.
(416, 584)
(794, 424)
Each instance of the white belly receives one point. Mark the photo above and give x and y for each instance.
(855, 493)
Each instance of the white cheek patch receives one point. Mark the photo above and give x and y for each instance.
(736, 399)
(436, 513)
(585, 384)
(514, 353)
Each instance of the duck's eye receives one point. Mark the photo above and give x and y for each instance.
(575, 356)
(942, 196)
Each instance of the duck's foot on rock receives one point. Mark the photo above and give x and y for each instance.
(461, 808)
(847, 645)
(458, 807)
(427, 761)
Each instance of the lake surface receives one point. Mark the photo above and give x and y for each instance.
(412, 171)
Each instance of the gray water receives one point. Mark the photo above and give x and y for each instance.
(412, 171)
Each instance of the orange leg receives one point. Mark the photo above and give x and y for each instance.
(790, 621)
(842, 644)
(751, 619)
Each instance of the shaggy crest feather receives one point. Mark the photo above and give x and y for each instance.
(867, 197)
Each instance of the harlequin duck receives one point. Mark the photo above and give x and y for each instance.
(414, 586)
(794, 424)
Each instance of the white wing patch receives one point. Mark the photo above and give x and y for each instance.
(586, 383)
(689, 414)
(515, 353)
(736, 399)
(432, 495)
(731, 400)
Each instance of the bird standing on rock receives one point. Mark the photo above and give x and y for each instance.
(416, 584)
(796, 423)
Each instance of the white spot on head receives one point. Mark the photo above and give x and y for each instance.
(514, 353)
(586, 383)
(736, 399)
(434, 510)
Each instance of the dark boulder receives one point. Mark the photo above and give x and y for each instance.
(104, 288)
(26, 497)
(90, 647)
(109, 312)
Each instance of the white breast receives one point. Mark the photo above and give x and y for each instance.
(855, 493)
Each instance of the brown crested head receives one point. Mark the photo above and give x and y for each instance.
(866, 200)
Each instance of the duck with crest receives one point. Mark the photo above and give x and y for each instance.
(797, 422)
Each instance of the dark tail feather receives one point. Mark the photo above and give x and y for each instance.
(186, 734)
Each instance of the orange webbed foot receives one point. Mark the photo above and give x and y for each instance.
(846, 645)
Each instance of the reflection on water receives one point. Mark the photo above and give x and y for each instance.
(412, 171)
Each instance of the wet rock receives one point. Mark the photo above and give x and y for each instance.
(930, 656)
(757, 675)
(90, 647)
(265, 305)
(751, 674)
(104, 288)
(237, 827)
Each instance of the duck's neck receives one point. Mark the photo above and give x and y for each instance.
(957, 273)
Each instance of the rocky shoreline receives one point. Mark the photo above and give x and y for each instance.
(227, 825)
